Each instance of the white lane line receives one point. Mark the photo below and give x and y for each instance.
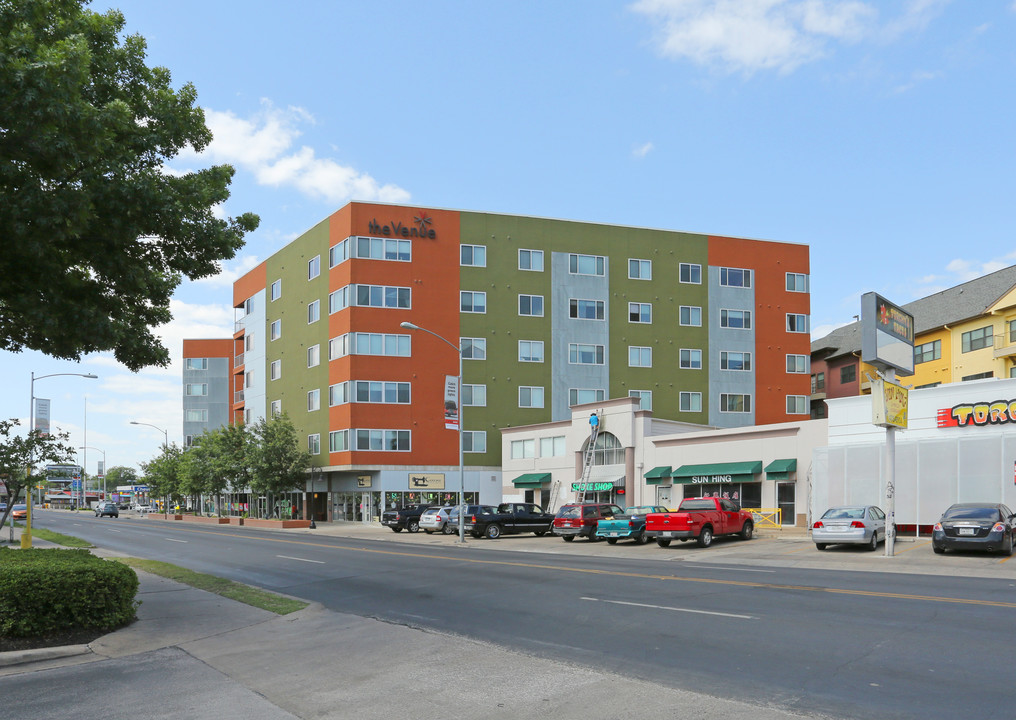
(112, 530)
(675, 609)
(175, 540)
(287, 557)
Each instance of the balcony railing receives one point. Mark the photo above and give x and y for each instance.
(1005, 345)
(238, 396)
(238, 360)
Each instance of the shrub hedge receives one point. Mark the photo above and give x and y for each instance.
(46, 591)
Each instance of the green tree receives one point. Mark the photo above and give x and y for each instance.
(21, 456)
(96, 235)
(121, 475)
(198, 468)
(278, 462)
(162, 474)
(232, 445)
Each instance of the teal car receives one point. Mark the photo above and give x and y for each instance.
(632, 524)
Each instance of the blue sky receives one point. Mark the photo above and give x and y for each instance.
(878, 133)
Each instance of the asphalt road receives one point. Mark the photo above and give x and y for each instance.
(857, 644)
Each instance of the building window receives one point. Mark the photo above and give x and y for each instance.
(275, 408)
(531, 305)
(474, 441)
(248, 306)
(313, 267)
(977, 339)
(586, 264)
(640, 312)
(797, 405)
(735, 403)
(797, 282)
(196, 389)
(531, 260)
(735, 277)
(1011, 324)
(372, 248)
(798, 363)
(383, 296)
(530, 397)
(369, 344)
(645, 398)
(690, 402)
(690, 273)
(581, 396)
(313, 311)
(276, 290)
(248, 416)
(196, 416)
(640, 356)
(474, 348)
(382, 440)
(531, 351)
(473, 302)
(314, 444)
(248, 342)
(313, 400)
(473, 255)
(978, 376)
(338, 394)
(797, 323)
(640, 269)
(848, 374)
(474, 395)
(552, 446)
(275, 330)
(195, 364)
(690, 359)
(736, 319)
(936, 384)
(607, 450)
(248, 379)
(818, 382)
(338, 253)
(691, 315)
(275, 370)
(580, 354)
(338, 441)
(523, 449)
(375, 391)
(927, 352)
(313, 356)
(740, 361)
(585, 309)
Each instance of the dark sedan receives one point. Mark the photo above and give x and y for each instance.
(975, 526)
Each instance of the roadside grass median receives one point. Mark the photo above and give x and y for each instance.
(58, 538)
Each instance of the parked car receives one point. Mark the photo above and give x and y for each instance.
(452, 526)
(700, 519)
(579, 520)
(434, 519)
(407, 518)
(19, 512)
(107, 508)
(510, 518)
(849, 525)
(143, 508)
(632, 524)
(975, 526)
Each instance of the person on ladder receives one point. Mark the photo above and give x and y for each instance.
(594, 424)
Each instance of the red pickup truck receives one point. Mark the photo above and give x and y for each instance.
(701, 519)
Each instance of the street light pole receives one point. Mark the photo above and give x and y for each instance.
(89, 447)
(458, 402)
(165, 444)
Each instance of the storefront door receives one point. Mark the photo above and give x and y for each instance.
(786, 494)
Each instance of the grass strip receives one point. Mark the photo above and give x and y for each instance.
(246, 594)
(58, 538)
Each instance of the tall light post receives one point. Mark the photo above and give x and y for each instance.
(89, 447)
(458, 402)
(165, 446)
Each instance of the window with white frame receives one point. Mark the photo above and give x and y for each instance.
(338, 394)
(338, 441)
(276, 290)
(797, 323)
(473, 255)
(275, 409)
(338, 253)
(197, 416)
(736, 319)
(313, 311)
(690, 402)
(690, 359)
(740, 361)
(248, 416)
(586, 264)
(195, 364)
(640, 269)
(313, 400)
(275, 330)
(473, 348)
(531, 305)
(248, 379)
(798, 364)
(583, 354)
(474, 441)
(275, 370)
(690, 273)
(640, 312)
(314, 444)
(314, 356)
(640, 356)
(531, 260)
(248, 306)
(377, 391)
(530, 396)
(581, 396)
(735, 403)
(382, 296)
(196, 389)
(797, 282)
(797, 405)
(552, 446)
(313, 267)
(521, 449)
(248, 342)
(382, 440)
(585, 309)
(531, 351)
(472, 302)
(735, 277)
(373, 248)
(369, 344)
(691, 315)
(645, 398)
(474, 396)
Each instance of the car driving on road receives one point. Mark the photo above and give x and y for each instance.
(107, 508)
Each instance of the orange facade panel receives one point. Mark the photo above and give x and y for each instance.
(250, 284)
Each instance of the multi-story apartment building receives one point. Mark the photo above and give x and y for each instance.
(547, 314)
(967, 332)
(207, 386)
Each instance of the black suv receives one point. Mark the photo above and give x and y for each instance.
(107, 508)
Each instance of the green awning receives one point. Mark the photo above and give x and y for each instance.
(657, 475)
(781, 469)
(730, 472)
(531, 480)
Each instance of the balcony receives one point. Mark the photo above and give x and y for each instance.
(238, 360)
(238, 396)
(1005, 346)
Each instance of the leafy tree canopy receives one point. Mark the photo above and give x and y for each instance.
(96, 234)
(120, 475)
(20, 453)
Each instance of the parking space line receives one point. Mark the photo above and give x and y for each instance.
(915, 545)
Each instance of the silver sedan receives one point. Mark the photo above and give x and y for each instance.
(850, 525)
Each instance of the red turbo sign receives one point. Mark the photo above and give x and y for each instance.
(983, 413)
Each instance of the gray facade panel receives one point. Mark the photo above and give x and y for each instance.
(729, 340)
(216, 403)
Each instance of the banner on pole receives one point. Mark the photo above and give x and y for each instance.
(42, 415)
(451, 402)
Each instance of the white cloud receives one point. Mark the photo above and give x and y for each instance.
(229, 273)
(642, 150)
(264, 145)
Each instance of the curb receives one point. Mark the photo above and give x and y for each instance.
(25, 657)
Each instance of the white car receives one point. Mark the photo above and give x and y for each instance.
(142, 508)
(435, 519)
(851, 525)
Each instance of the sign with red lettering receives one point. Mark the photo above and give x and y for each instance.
(997, 412)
